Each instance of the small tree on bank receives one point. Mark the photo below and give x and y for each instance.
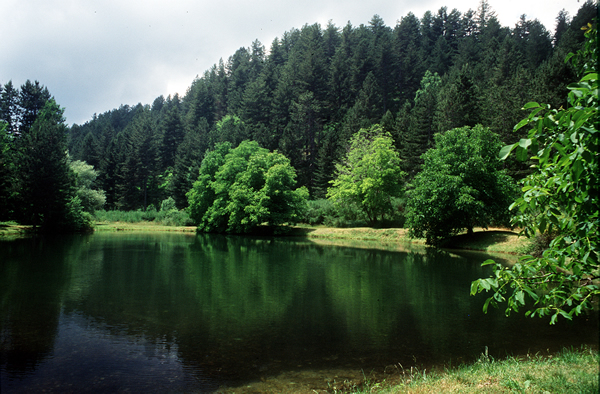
(462, 185)
(369, 176)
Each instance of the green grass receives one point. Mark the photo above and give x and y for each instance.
(493, 241)
(571, 371)
(496, 240)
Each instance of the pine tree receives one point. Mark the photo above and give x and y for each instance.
(172, 130)
(45, 181)
(9, 107)
(32, 98)
(419, 128)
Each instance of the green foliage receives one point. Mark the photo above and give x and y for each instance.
(415, 125)
(461, 186)
(119, 216)
(170, 217)
(46, 183)
(240, 189)
(369, 176)
(7, 172)
(168, 204)
(319, 212)
(85, 176)
(559, 201)
(76, 218)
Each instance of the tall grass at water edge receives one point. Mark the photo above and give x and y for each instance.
(165, 218)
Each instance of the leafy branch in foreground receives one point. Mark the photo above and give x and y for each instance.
(559, 201)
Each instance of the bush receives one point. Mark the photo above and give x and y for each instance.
(319, 211)
(166, 218)
(118, 216)
(76, 220)
(174, 217)
(168, 205)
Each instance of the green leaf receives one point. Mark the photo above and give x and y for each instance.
(522, 154)
(531, 104)
(520, 297)
(505, 151)
(486, 304)
(577, 169)
(485, 284)
(524, 143)
(521, 124)
(591, 76)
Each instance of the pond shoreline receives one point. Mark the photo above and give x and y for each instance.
(544, 370)
(495, 240)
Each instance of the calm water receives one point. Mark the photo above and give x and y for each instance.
(118, 312)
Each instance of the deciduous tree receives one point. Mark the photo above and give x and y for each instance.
(369, 175)
(460, 187)
(240, 189)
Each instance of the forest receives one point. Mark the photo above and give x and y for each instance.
(304, 97)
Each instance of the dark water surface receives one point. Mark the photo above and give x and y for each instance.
(170, 312)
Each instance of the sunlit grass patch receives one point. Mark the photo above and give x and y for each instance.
(492, 240)
(572, 371)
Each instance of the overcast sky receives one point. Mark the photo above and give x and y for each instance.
(95, 55)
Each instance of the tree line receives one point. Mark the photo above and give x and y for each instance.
(305, 98)
(316, 87)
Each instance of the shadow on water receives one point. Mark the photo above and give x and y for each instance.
(183, 312)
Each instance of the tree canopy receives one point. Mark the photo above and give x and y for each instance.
(242, 188)
(462, 185)
(369, 176)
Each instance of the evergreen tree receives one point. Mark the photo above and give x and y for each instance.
(9, 107)
(7, 173)
(138, 181)
(46, 183)
(172, 130)
(411, 55)
(32, 98)
(562, 25)
(341, 92)
(458, 103)
(418, 128)
(187, 164)
(90, 149)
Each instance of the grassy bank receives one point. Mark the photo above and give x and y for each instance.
(572, 371)
(486, 240)
(141, 227)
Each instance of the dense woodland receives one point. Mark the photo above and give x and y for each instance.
(313, 89)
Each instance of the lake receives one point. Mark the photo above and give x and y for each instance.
(176, 312)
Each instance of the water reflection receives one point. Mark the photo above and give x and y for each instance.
(180, 312)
